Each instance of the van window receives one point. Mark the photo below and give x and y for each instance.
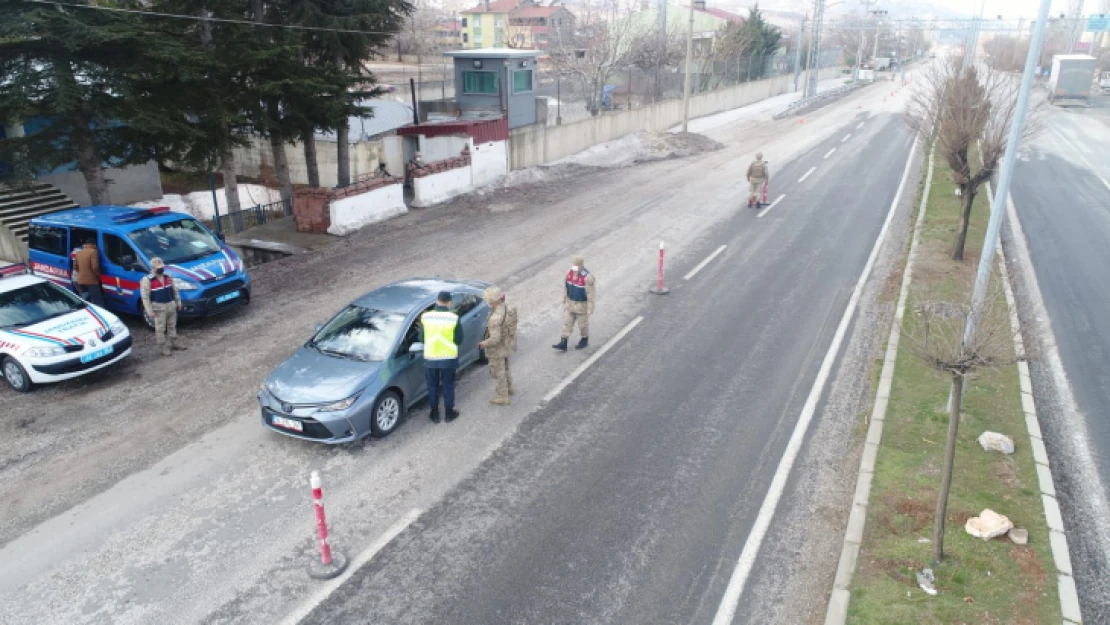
(49, 239)
(116, 248)
(176, 241)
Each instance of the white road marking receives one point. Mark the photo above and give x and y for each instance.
(860, 125)
(830, 153)
(591, 360)
(846, 137)
(705, 262)
(811, 170)
(731, 600)
(777, 200)
(330, 586)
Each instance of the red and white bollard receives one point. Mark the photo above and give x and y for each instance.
(331, 563)
(659, 289)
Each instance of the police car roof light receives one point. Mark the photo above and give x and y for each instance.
(136, 215)
(160, 209)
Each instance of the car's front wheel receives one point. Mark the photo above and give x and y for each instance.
(386, 415)
(15, 375)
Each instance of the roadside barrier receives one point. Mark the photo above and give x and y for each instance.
(659, 289)
(331, 563)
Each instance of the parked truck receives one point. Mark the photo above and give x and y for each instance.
(1071, 79)
(1104, 83)
(882, 63)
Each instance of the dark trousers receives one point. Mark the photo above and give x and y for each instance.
(91, 293)
(435, 377)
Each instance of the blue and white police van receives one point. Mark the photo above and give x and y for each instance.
(48, 334)
(209, 275)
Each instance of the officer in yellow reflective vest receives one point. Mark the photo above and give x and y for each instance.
(441, 335)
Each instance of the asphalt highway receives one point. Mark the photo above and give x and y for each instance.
(629, 497)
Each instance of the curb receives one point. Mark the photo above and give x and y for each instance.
(1058, 541)
(837, 612)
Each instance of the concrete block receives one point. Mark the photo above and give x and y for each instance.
(1023, 368)
(1060, 555)
(847, 565)
(878, 413)
(875, 432)
(1040, 454)
(870, 454)
(1052, 514)
(1033, 425)
(863, 488)
(856, 521)
(1069, 599)
(1025, 381)
(1044, 479)
(837, 613)
(1027, 403)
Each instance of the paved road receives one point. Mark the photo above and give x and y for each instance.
(1060, 191)
(628, 498)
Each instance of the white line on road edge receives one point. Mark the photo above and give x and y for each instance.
(705, 262)
(860, 125)
(1104, 182)
(591, 360)
(777, 200)
(325, 590)
(846, 137)
(837, 611)
(1058, 541)
(830, 153)
(731, 601)
(811, 170)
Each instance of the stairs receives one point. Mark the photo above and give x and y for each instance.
(19, 206)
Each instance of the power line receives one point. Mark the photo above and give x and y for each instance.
(199, 18)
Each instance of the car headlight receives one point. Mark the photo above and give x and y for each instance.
(342, 404)
(184, 285)
(45, 352)
(118, 328)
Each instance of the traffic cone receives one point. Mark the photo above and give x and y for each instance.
(801, 120)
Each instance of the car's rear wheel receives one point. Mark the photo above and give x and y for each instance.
(15, 375)
(386, 415)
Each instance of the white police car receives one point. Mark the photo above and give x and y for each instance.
(48, 334)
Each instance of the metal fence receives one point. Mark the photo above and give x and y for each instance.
(238, 221)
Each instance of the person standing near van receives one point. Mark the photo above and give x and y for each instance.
(87, 265)
(162, 301)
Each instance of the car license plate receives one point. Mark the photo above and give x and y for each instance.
(100, 353)
(227, 297)
(289, 424)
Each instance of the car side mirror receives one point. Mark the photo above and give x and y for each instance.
(417, 348)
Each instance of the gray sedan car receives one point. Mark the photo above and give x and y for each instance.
(364, 368)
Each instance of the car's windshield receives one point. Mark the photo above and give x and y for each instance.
(359, 333)
(176, 241)
(36, 303)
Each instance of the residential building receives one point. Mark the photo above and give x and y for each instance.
(486, 25)
(536, 27)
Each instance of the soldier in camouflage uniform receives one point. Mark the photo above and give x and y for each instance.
(578, 299)
(161, 301)
(499, 343)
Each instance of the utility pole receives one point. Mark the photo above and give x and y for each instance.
(1005, 175)
(798, 52)
(686, 78)
(815, 50)
(859, 52)
(1076, 27)
(879, 16)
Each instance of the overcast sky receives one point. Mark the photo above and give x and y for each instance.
(1012, 8)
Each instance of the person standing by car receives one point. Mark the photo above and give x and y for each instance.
(499, 343)
(87, 265)
(578, 300)
(441, 334)
(162, 301)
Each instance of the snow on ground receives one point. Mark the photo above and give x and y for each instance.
(762, 108)
(199, 203)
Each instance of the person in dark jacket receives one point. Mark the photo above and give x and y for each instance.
(441, 334)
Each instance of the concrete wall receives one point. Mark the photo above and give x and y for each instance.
(538, 144)
(488, 162)
(255, 159)
(351, 213)
(126, 185)
(441, 186)
(439, 148)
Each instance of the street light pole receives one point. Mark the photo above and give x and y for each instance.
(798, 53)
(689, 63)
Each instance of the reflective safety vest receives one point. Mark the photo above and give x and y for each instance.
(576, 285)
(161, 289)
(439, 335)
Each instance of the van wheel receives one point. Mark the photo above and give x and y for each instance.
(148, 320)
(15, 375)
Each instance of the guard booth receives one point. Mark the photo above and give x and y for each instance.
(495, 82)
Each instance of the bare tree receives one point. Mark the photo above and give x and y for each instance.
(972, 107)
(652, 53)
(601, 47)
(937, 338)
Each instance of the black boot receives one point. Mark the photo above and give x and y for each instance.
(435, 415)
(582, 344)
(561, 345)
(452, 414)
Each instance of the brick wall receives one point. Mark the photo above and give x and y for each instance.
(447, 164)
(312, 207)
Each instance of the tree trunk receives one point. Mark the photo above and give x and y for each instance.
(231, 183)
(281, 165)
(88, 159)
(968, 196)
(949, 460)
(310, 158)
(342, 147)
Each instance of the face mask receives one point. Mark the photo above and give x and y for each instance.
(574, 268)
(159, 271)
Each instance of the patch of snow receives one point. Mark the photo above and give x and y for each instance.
(199, 203)
(762, 109)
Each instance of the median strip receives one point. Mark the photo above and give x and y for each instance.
(702, 264)
(807, 174)
(772, 205)
(830, 153)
